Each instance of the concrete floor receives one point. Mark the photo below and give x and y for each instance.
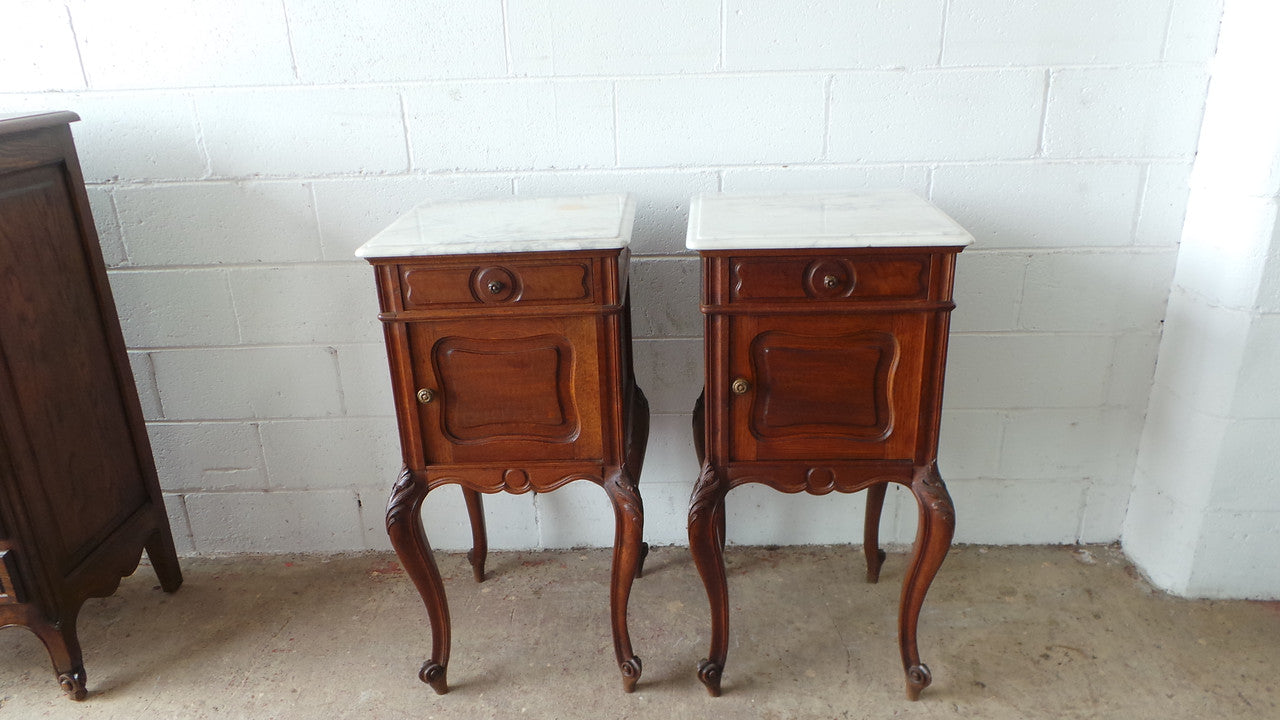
(1008, 632)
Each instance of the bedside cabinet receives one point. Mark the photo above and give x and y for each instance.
(507, 326)
(826, 323)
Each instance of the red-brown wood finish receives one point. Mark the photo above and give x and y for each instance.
(79, 496)
(824, 373)
(512, 373)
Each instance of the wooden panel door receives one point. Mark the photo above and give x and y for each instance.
(825, 387)
(508, 389)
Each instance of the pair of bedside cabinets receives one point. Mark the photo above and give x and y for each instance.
(507, 326)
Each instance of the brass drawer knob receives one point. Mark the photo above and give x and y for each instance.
(426, 395)
(496, 286)
(740, 386)
(830, 281)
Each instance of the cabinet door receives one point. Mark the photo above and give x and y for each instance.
(507, 390)
(825, 387)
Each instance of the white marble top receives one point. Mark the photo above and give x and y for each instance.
(890, 218)
(460, 227)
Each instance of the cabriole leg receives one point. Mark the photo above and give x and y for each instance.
(479, 538)
(706, 542)
(871, 531)
(628, 529)
(933, 539)
(404, 526)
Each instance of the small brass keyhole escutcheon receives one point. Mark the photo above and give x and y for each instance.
(426, 395)
(495, 287)
(740, 386)
(830, 281)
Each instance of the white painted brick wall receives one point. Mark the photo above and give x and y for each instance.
(237, 154)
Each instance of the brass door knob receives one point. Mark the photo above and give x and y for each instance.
(830, 281)
(740, 386)
(496, 286)
(426, 395)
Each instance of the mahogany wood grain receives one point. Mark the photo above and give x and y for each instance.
(824, 374)
(513, 373)
(79, 496)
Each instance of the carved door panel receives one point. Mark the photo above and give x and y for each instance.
(825, 388)
(507, 389)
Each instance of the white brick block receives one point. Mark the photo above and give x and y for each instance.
(1133, 369)
(183, 44)
(511, 125)
(988, 291)
(1269, 291)
(1164, 205)
(1193, 30)
(1041, 205)
(794, 178)
(1005, 512)
(1075, 443)
(315, 521)
(395, 40)
(1125, 112)
(670, 457)
(1245, 480)
(576, 515)
(664, 298)
(306, 304)
(1258, 386)
(1161, 535)
(444, 516)
(662, 200)
(209, 223)
(993, 32)
(1201, 353)
(351, 211)
(1105, 504)
(935, 115)
(670, 373)
(208, 456)
(38, 47)
(144, 379)
(366, 379)
(176, 509)
(174, 307)
(970, 442)
(331, 453)
(1097, 292)
(1027, 371)
(666, 513)
(126, 136)
(302, 131)
(1225, 245)
(108, 226)
(1180, 448)
(210, 384)
(1236, 557)
(759, 515)
(720, 120)
(763, 35)
(565, 37)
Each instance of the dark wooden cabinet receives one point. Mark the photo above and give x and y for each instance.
(826, 322)
(79, 497)
(508, 335)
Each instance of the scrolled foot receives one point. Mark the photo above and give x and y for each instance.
(918, 678)
(873, 569)
(433, 674)
(709, 675)
(73, 684)
(631, 670)
(644, 553)
(477, 568)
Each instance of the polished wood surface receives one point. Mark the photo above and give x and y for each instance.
(79, 496)
(512, 373)
(824, 374)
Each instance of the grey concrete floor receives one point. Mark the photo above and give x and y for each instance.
(1008, 632)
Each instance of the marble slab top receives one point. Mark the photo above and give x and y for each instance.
(889, 218)
(500, 225)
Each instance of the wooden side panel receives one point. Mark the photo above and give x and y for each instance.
(55, 360)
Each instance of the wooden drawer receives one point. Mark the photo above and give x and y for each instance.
(435, 284)
(831, 277)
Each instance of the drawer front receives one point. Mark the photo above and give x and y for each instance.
(434, 285)
(829, 277)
